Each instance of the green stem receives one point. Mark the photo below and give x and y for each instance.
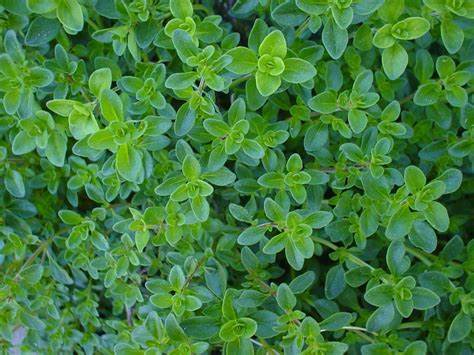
(199, 264)
(32, 257)
(240, 80)
(410, 325)
(356, 260)
(202, 85)
(418, 255)
(264, 346)
(299, 31)
(364, 336)
(334, 247)
(92, 24)
(325, 242)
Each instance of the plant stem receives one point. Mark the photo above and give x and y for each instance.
(32, 257)
(299, 31)
(191, 275)
(240, 80)
(410, 325)
(92, 24)
(418, 255)
(351, 257)
(356, 260)
(264, 346)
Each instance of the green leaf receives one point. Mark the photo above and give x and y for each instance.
(11, 101)
(452, 179)
(185, 119)
(70, 14)
(302, 282)
(424, 298)
(381, 318)
(253, 149)
(252, 235)
(276, 244)
(336, 321)
(335, 39)
(22, 144)
(460, 327)
(81, 125)
(14, 183)
(40, 77)
(252, 95)
(352, 152)
(363, 82)
(452, 35)
(394, 61)
(32, 274)
(298, 71)
(99, 80)
(427, 94)
(61, 107)
(184, 45)
(274, 44)
(357, 276)
(423, 236)
(56, 148)
(128, 162)
(456, 96)
(244, 60)
(326, 102)
(191, 167)
(414, 178)
(410, 28)
(380, 295)
(181, 8)
(200, 208)
(294, 163)
(273, 210)
(180, 81)
(357, 120)
(383, 37)
(397, 261)
(319, 219)
(41, 31)
(437, 215)
(141, 239)
(103, 139)
(294, 255)
(335, 282)
(285, 297)
(111, 106)
(267, 84)
(400, 223)
(41, 6)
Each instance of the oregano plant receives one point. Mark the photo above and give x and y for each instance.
(236, 177)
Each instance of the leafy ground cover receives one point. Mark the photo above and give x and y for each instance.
(237, 177)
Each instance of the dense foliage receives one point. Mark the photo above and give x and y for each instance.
(238, 177)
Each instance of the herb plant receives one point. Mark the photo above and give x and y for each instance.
(237, 177)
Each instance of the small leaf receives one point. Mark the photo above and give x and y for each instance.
(394, 61)
(14, 183)
(128, 162)
(111, 106)
(335, 39)
(460, 327)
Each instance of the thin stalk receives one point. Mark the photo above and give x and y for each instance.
(240, 80)
(264, 346)
(418, 255)
(351, 257)
(32, 257)
(299, 31)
